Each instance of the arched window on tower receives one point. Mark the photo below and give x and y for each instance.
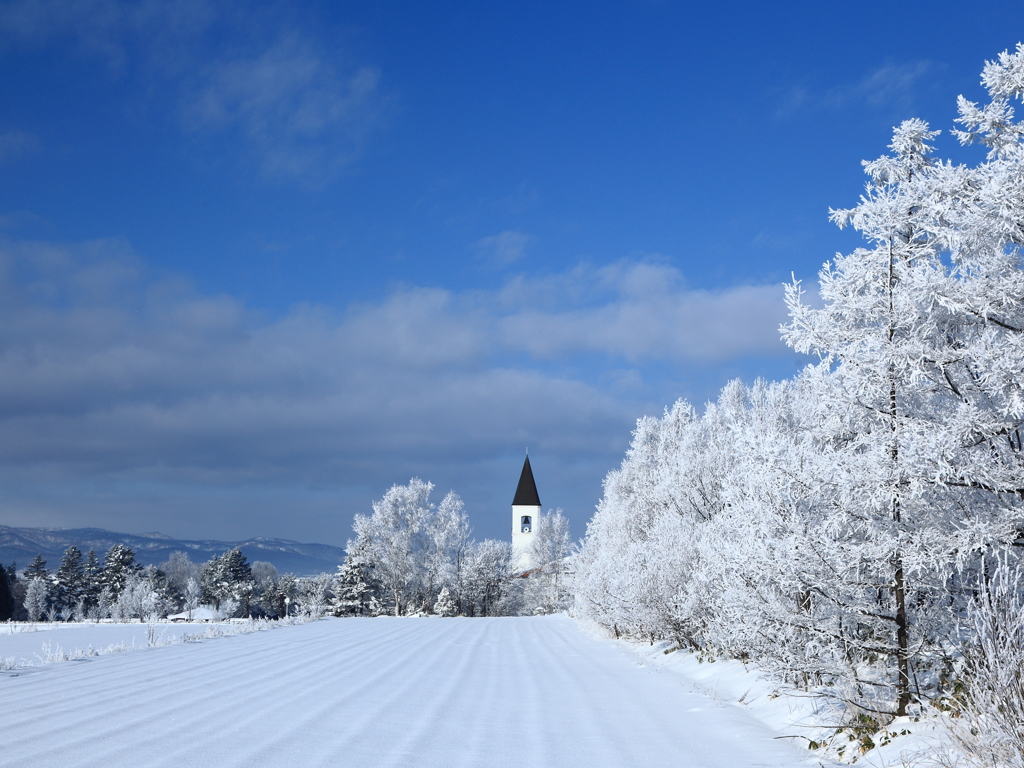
(525, 524)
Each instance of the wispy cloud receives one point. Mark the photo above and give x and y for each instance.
(16, 143)
(296, 111)
(504, 248)
(888, 86)
(293, 103)
(779, 241)
(159, 32)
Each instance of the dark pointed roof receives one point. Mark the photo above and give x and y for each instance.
(526, 491)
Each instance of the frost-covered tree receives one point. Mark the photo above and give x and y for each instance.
(485, 586)
(445, 604)
(908, 432)
(991, 705)
(549, 548)
(179, 568)
(191, 596)
(104, 603)
(408, 550)
(449, 539)
(835, 526)
(36, 598)
(316, 594)
(138, 599)
(263, 572)
(643, 570)
(279, 595)
(396, 540)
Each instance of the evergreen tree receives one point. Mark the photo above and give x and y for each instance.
(37, 569)
(119, 565)
(287, 589)
(234, 567)
(18, 588)
(210, 583)
(353, 589)
(69, 582)
(6, 597)
(228, 577)
(92, 578)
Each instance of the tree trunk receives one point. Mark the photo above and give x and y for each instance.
(902, 642)
(899, 582)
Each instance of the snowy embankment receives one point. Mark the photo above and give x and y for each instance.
(33, 644)
(808, 719)
(30, 645)
(383, 692)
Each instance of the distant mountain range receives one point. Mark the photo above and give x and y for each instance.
(22, 544)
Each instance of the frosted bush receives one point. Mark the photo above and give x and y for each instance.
(990, 729)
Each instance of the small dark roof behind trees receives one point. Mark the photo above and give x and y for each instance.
(526, 491)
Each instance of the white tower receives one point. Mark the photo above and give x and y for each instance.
(525, 511)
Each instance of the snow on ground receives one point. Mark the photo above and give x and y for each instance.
(424, 692)
(32, 644)
(796, 715)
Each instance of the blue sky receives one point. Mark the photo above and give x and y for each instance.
(260, 261)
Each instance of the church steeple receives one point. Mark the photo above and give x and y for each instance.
(526, 491)
(525, 516)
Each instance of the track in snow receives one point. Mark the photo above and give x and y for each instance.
(523, 692)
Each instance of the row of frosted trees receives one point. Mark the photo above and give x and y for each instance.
(118, 587)
(844, 527)
(409, 557)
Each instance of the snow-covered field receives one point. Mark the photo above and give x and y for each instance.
(376, 692)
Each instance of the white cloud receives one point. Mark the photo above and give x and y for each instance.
(640, 312)
(112, 384)
(100, 368)
(504, 248)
